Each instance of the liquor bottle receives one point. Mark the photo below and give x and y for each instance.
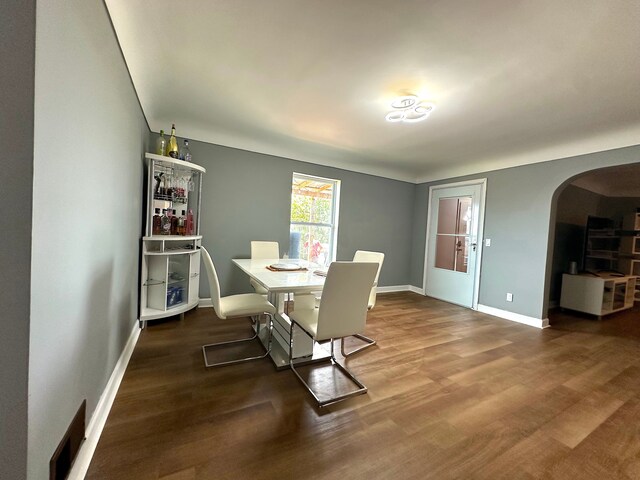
(166, 223)
(185, 153)
(182, 224)
(161, 144)
(172, 146)
(174, 223)
(190, 226)
(157, 223)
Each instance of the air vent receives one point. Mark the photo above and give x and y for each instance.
(65, 454)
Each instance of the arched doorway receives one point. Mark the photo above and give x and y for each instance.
(593, 227)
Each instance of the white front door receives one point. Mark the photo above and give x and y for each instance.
(453, 236)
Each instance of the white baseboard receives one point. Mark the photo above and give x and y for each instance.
(205, 302)
(514, 317)
(99, 417)
(419, 290)
(401, 288)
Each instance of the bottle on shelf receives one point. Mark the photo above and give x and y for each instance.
(166, 223)
(174, 223)
(182, 224)
(157, 223)
(190, 226)
(185, 153)
(172, 146)
(161, 144)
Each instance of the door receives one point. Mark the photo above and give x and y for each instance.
(453, 232)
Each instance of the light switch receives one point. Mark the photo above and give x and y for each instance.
(487, 242)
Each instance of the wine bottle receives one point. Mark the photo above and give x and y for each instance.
(172, 146)
(174, 223)
(161, 144)
(166, 223)
(182, 224)
(190, 226)
(157, 223)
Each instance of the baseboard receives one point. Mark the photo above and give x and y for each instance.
(514, 317)
(205, 302)
(419, 290)
(401, 288)
(99, 417)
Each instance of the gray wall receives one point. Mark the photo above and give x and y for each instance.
(520, 221)
(247, 196)
(89, 140)
(17, 50)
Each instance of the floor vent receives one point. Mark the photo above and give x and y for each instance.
(65, 454)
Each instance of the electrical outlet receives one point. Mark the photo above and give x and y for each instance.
(487, 242)
(509, 297)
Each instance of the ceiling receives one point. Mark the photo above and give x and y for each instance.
(514, 82)
(621, 181)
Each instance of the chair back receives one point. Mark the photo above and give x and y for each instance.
(366, 256)
(343, 310)
(265, 249)
(214, 284)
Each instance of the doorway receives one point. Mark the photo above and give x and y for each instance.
(453, 246)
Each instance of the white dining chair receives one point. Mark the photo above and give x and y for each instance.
(263, 250)
(303, 301)
(342, 313)
(366, 256)
(245, 305)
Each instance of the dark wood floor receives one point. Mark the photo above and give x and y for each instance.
(453, 394)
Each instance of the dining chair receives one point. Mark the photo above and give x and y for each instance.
(302, 301)
(236, 306)
(342, 313)
(366, 256)
(263, 250)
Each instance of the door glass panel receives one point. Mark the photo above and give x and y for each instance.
(446, 252)
(447, 216)
(452, 240)
(462, 254)
(463, 223)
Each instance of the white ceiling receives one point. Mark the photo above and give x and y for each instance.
(515, 82)
(621, 181)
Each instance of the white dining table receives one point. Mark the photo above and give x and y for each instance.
(279, 284)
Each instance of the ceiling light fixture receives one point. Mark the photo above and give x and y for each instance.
(409, 109)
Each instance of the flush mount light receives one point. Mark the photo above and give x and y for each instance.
(409, 109)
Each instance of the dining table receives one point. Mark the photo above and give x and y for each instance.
(282, 277)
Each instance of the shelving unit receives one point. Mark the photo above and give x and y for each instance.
(170, 263)
(602, 245)
(630, 249)
(598, 295)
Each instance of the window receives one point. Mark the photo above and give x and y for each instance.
(314, 218)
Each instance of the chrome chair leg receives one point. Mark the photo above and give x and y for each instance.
(231, 342)
(370, 342)
(323, 403)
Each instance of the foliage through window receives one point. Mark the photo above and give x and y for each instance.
(314, 218)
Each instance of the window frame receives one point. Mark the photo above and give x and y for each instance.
(335, 209)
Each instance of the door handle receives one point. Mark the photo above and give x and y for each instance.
(474, 245)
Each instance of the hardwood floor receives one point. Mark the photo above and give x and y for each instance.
(453, 394)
